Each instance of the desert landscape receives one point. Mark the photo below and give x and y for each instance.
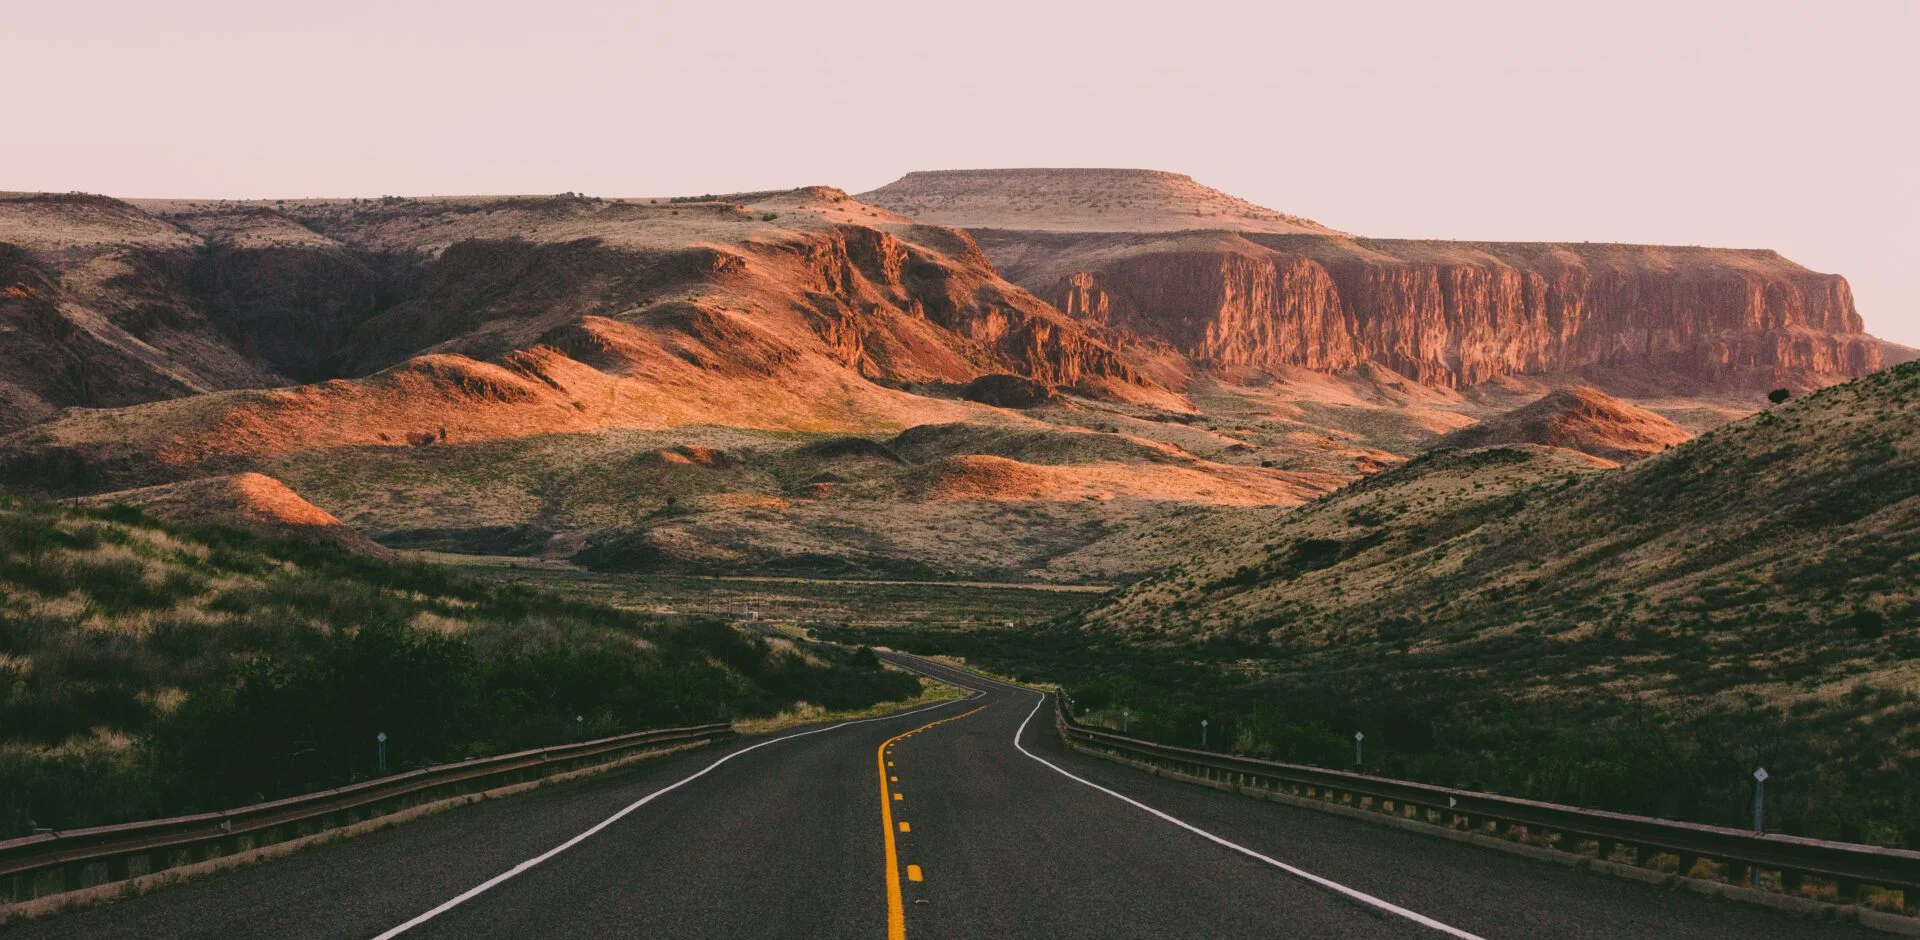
(1179, 453)
(805, 383)
(884, 471)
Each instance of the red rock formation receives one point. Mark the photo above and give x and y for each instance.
(1457, 313)
(104, 302)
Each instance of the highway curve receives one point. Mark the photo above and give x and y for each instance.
(948, 821)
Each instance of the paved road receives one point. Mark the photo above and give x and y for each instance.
(983, 826)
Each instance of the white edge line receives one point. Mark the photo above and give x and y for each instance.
(483, 886)
(1329, 884)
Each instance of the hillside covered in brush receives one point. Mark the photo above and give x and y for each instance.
(1580, 418)
(1752, 594)
(1788, 521)
(149, 668)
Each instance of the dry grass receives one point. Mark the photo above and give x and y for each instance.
(931, 693)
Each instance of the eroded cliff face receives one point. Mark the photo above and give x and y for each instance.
(1456, 314)
(107, 303)
(902, 311)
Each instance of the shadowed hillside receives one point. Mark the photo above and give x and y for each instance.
(1534, 621)
(150, 668)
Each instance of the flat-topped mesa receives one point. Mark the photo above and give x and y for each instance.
(1639, 317)
(1076, 200)
(1229, 283)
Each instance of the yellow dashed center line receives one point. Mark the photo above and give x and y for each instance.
(896, 907)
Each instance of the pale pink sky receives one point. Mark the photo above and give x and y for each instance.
(1750, 124)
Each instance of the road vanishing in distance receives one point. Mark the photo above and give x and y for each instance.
(963, 819)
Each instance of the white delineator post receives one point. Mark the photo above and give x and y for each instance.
(1357, 738)
(1760, 800)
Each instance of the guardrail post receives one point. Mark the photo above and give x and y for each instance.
(1686, 865)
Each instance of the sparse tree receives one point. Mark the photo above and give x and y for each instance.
(1779, 395)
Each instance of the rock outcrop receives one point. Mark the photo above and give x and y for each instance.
(1643, 318)
(1232, 284)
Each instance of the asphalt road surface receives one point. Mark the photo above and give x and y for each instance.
(964, 819)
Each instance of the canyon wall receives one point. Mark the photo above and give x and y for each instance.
(1647, 318)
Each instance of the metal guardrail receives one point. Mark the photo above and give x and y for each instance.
(57, 862)
(1845, 868)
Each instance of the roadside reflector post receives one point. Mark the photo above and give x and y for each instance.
(1203, 732)
(1357, 738)
(579, 727)
(1126, 716)
(381, 738)
(1760, 800)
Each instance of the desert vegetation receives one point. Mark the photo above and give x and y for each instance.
(1517, 619)
(150, 669)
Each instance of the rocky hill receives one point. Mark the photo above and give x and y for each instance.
(253, 502)
(108, 303)
(98, 308)
(1579, 418)
(503, 374)
(1076, 200)
(1232, 285)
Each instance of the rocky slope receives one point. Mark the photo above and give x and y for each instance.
(1581, 418)
(108, 303)
(98, 308)
(1233, 285)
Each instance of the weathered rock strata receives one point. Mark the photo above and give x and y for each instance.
(1456, 314)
